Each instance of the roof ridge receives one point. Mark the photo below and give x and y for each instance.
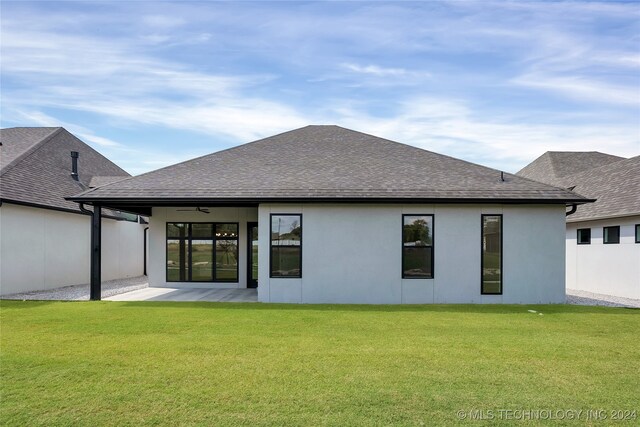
(309, 126)
(553, 161)
(573, 152)
(471, 163)
(35, 147)
(544, 157)
(122, 178)
(413, 147)
(128, 175)
(32, 127)
(447, 171)
(194, 159)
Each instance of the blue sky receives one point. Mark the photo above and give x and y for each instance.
(498, 83)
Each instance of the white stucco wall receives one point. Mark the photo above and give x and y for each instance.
(157, 241)
(122, 249)
(352, 254)
(611, 269)
(44, 249)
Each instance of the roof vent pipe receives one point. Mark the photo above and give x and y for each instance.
(74, 165)
(502, 176)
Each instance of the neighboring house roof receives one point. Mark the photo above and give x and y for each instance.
(614, 181)
(17, 142)
(554, 166)
(36, 167)
(616, 186)
(318, 163)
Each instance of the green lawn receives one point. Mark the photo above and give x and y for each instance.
(109, 363)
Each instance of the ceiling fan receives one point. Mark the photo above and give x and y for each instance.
(198, 209)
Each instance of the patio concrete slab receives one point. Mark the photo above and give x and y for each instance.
(176, 294)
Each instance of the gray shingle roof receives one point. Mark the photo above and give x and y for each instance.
(614, 181)
(98, 181)
(616, 186)
(553, 166)
(36, 166)
(17, 142)
(325, 162)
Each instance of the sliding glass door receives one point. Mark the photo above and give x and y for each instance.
(202, 252)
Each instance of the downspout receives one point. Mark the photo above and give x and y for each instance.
(144, 253)
(573, 209)
(85, 210)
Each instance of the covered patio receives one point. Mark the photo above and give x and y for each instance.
(210, 246)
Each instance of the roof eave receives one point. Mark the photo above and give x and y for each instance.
(602, 217)
(54, 208)
(175, 201)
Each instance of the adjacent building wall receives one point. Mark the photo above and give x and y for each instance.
(352, 254)
(44, 249)
(610, 269)
(158, 241)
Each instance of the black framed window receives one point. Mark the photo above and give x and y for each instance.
(226, 253)
(417, 246)
(286, 245)
(611, 234)
(177, 253)
(637, 233)
(491, 259)
(202, 252)
(584, 236)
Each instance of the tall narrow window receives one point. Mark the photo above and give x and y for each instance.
(611, 234)
(417, 246)
(286, 245)
(637, 233)
(491, 261)
(584, 236)
(201, 260)
(202, 252)
(226, 251)
(177, 243)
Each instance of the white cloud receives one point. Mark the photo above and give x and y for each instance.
(583, 88)
(453, 128)
(74, 63)
(41, 119)
(441, 125)
(108, 78)
(163, 21)
(242, 119)
(62, 63)
(375, 70)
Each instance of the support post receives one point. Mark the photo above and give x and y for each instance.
(96, 254)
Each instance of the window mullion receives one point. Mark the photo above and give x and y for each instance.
(214, 251)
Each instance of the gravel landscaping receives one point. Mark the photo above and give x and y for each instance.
(81, 292)
(576, 297)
